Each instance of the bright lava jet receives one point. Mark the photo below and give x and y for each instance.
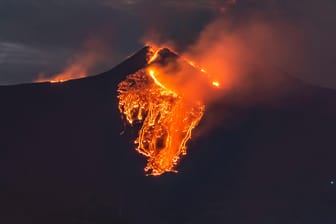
(166, 115)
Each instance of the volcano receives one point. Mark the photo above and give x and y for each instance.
(68, 157)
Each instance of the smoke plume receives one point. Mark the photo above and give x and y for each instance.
(244, 61)
(91, 55)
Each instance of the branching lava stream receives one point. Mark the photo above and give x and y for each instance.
(167, 117)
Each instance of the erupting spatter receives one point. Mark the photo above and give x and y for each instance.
(167, 118)
(215, 83)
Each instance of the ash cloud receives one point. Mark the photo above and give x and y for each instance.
(314, 20)
(237, 55)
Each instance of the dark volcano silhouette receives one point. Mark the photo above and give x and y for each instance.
(63, 160)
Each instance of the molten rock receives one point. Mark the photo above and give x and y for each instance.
(167, 118)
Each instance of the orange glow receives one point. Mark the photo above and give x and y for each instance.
(167, 117)
(73, 72)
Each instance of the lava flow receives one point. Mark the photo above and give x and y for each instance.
(167, 116)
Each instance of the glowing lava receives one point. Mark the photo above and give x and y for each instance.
(74, 72)
(167, 117)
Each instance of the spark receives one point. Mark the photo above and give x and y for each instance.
(215, 83)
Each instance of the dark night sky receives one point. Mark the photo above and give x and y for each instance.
(44, 36)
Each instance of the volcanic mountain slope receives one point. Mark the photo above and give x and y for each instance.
(63, 160)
